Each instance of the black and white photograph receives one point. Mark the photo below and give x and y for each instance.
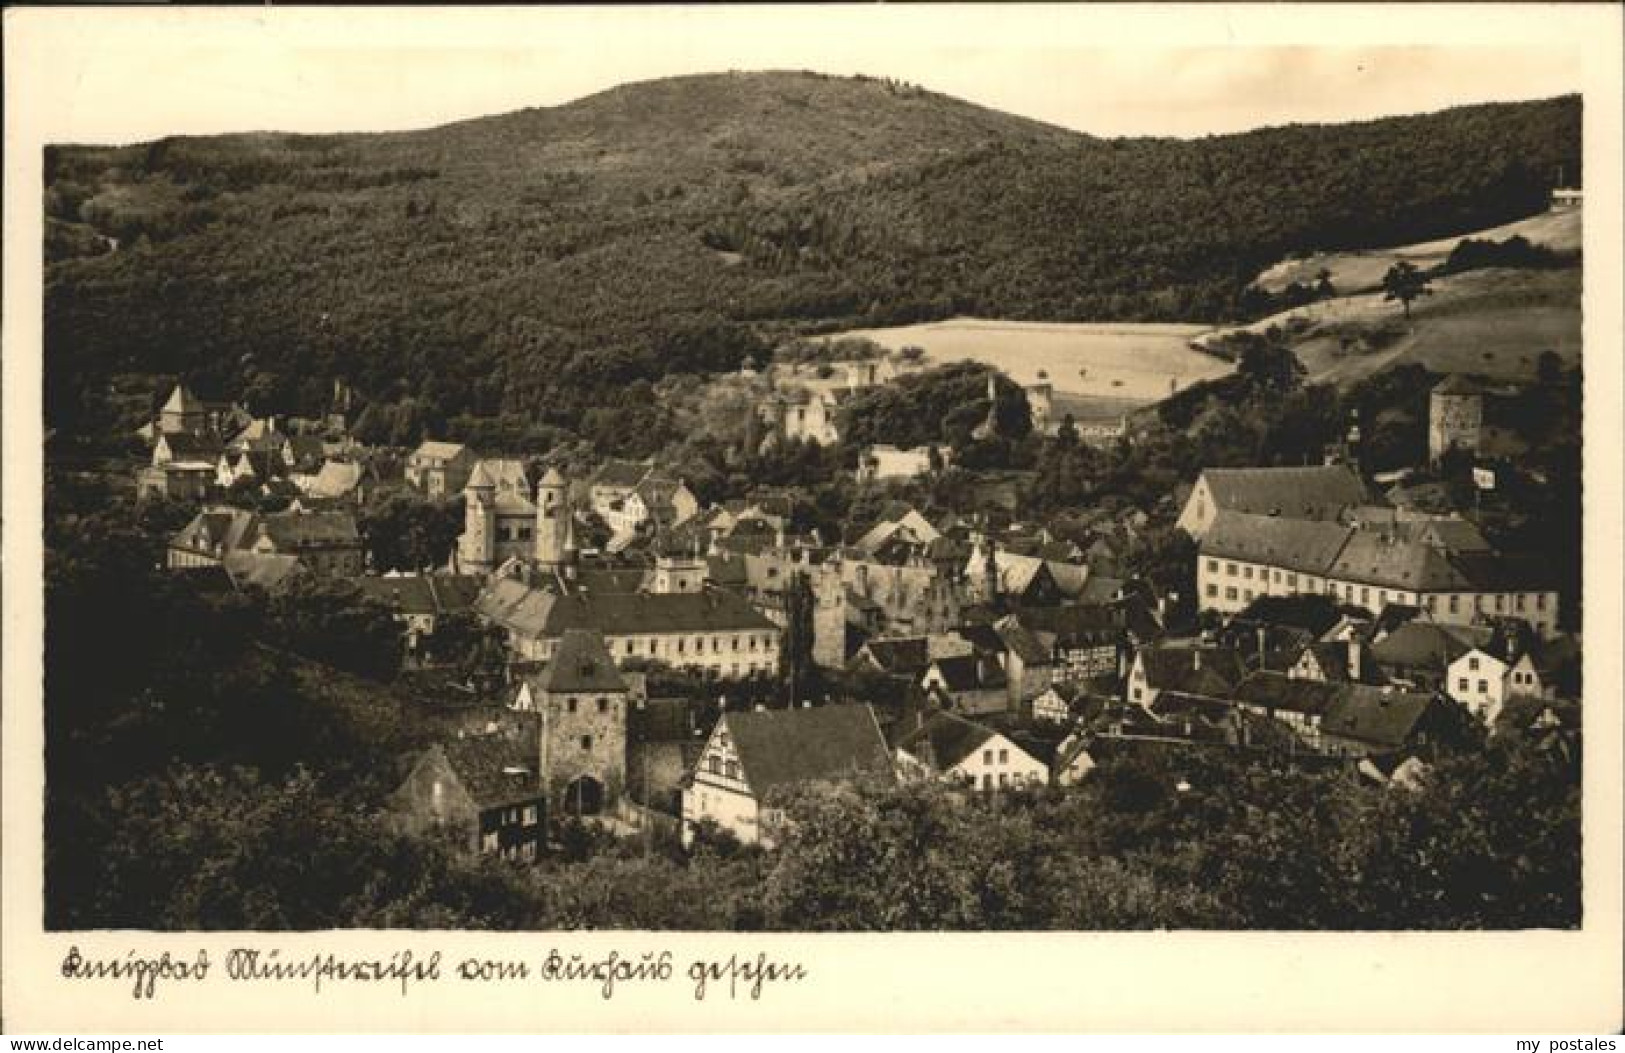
(816, 481)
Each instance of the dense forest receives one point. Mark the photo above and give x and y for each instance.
(523, 277)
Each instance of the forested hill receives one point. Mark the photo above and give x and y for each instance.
(537, 266)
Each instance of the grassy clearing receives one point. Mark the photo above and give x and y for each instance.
(1120, 362)
(1354, 272)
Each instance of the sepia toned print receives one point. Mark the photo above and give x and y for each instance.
(747, 501)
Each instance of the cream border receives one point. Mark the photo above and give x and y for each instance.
(1534, 982)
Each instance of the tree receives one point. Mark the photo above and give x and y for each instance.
(1405, 283)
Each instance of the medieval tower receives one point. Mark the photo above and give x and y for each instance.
(552, 521)
(581, 703)
(1455, 417)
(477, 547)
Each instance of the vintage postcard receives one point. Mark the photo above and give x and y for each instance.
(829, 519)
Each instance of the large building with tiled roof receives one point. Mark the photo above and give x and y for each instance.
(1317, 493)
(952, 748)
(753, 757)
(324, 542)
(1243, 557)
(707, 631)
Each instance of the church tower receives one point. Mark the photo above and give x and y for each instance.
(477, 547)
(552, 521)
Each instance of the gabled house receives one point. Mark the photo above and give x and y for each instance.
(483, 789)
(326, 542)
(949, 747)
(440, 468)
(185, 448)
(972, 684)
(1190, 671)
(753, 757)
(1318, 493)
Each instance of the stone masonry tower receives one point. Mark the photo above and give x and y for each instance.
(552, 521)
(1455, 417)
(476, 549)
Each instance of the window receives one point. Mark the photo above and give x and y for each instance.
(987, 782)
(570, 705)
(713, 764)
(1229, 592)
(530, 815)
(1247, 572)
(1004, 756)
(1455, 603)
(603, 705)
(1212, 591)
(1461, 684)
(1365, 594)
(736, 643)
(732, 769)
(1004, 779)
(1292, 580)
(586, 742)
(1521, 599)
(987, 756)
(629, 647)
(1472, 662)
(1230, 569)
(680, 645)
(1540, 601)
(1213, 566)
(1483, 687)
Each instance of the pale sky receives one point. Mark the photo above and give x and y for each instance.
(131, 74)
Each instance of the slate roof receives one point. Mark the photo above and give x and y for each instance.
(1504, 571)
(783, 747)
(1213, 673)
(539, 613)
(581, 663)
(424, 594)
(184, 446)
(1303, 545)
(1298, 493)
(969, 672)
(1426, 645)
(296, 530)
(899, 656)
(1375, 558)
(495, 769)
(945, 739)
(503, 473)
(1280, 692)
(1377, 716)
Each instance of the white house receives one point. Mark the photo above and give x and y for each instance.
(753, 757)
(959, 750)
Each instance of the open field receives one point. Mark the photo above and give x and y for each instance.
(1132, 362)
(1354, 272)
(1490, 322)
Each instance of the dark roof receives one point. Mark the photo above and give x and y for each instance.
(1278, 691)
(1377, 558)
(1425, 645)
(1304, 545)
(294, 530)
(184, 446)
(1505, 572)
(945, 739)
(496, 769)
(983, 638)
(1298, 493)
(1378, 716)
(1392, 617)
(227, 527)
(1023, 642)
(1192, 671)
(420, 593)
(611, 580)
(580, 663)
(782, 747)
(540, 613)
(900, 656)
(969, 673)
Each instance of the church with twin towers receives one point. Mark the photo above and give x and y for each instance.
(501, 521)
